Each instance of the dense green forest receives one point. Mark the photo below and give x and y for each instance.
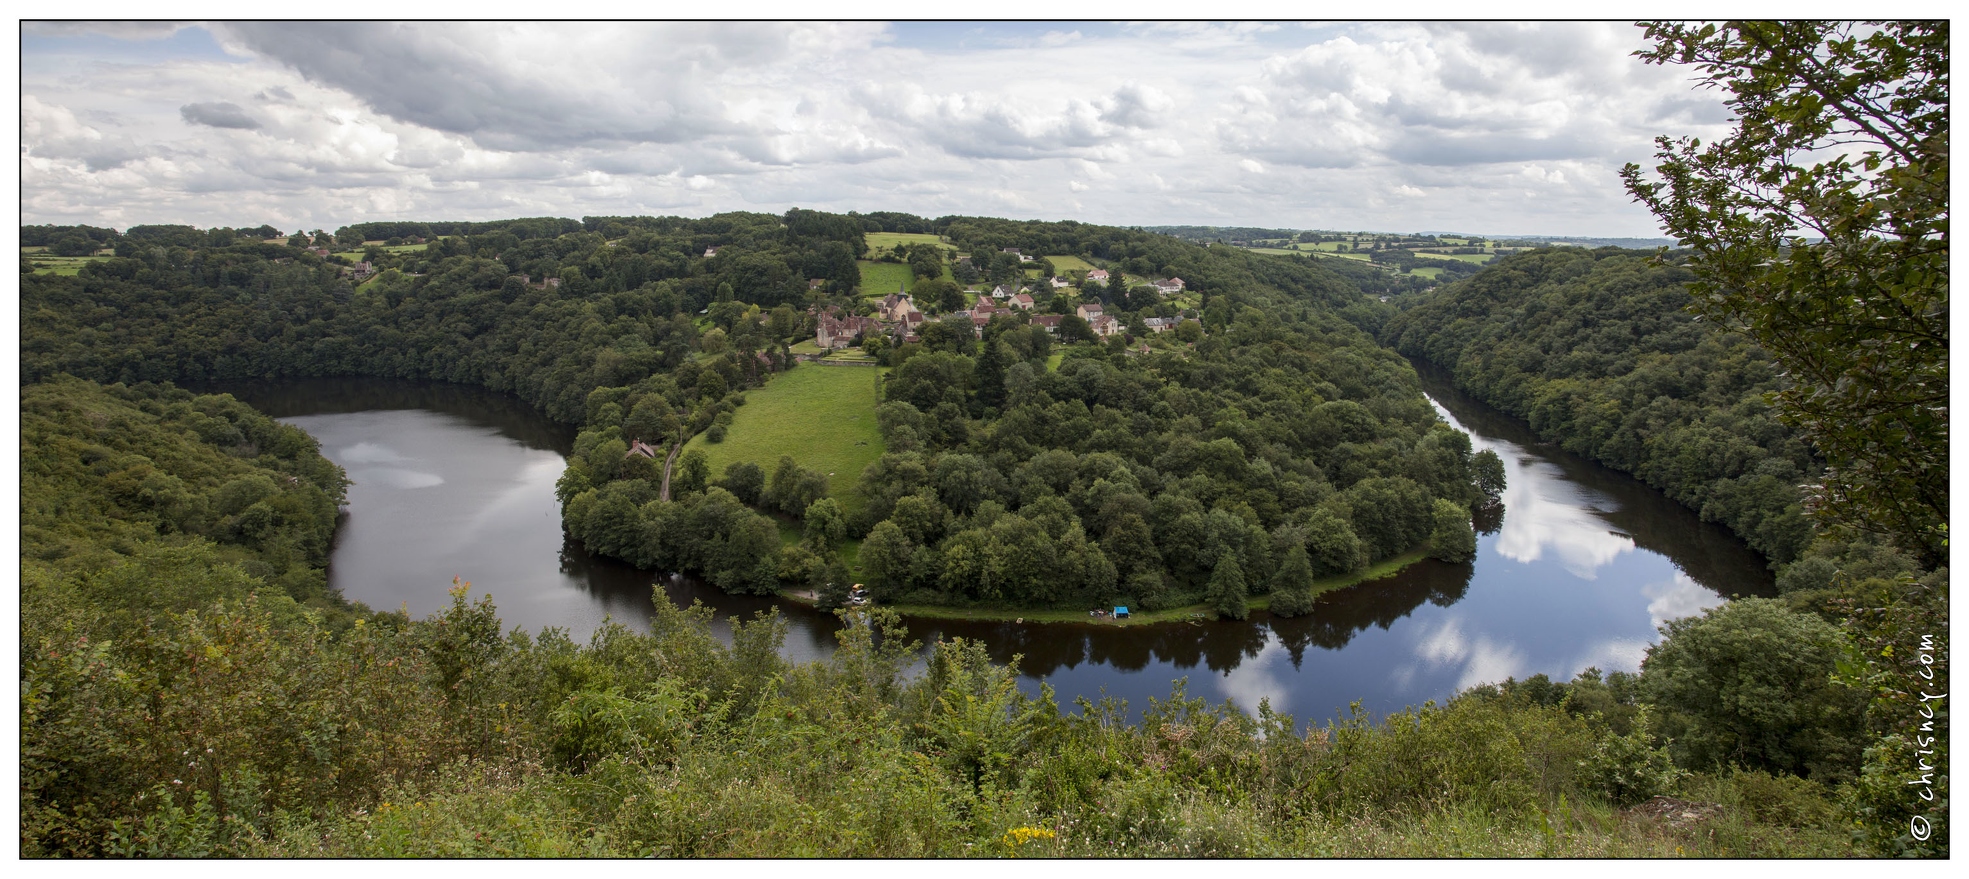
(188, 691)
(1118, 477)
(331, 730)
(191, 687)
(1598, 350)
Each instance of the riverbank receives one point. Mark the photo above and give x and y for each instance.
(1194, 612)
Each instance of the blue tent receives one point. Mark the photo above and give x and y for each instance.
(1120, 612)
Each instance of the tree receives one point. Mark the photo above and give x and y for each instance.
(830, 583)
(1226, 594)
(1487, 470)
(937, 296)
(1749, 683)
(926, 261)
(744, 480)
(1451, 538)
(1074, 329)
(1292, 586)
(651, 420)
(885, 556)
(825, 523)
(72, 245)
(988, 374)
(692, 472)
(1820, 229)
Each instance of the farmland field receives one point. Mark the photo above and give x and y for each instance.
(1064, 264)
(55, 265)
(1459, 257)
(823, 416)
(879, 241)
(883, 278)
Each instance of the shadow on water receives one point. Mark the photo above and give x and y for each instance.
(510, 415)
(1578, 568)
(1707, 552)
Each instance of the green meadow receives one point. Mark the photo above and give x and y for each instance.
(1064, 264)
(44, 262)
(822, 416)
(883, 278)
(1459, 257)
(881, 241)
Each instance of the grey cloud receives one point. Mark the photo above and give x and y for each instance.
(122, 30)
(1547, 48)
(277, 93)
(1486, 147)
(1693, 108)
(218, 114)
(114, 154)
(487, 84)
(975, 127)
(1136, 106)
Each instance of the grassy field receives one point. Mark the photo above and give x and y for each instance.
(1459, 257)
(1430, 272)
(880, 241)
(823, 416)
(1064, 264)
(49, 264)
(883, 278)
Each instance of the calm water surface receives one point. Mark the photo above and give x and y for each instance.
(1578, 569)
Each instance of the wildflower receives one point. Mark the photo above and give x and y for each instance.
(1019, 836)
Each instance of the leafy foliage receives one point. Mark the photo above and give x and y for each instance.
(1842, 135)
(1597, 351)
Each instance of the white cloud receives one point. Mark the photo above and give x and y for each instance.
(322, 124)
(1479, 660)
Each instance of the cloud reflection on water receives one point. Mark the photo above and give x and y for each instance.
(395, 477)
(1554, 519)
(1260, 678)
(1678, 597)
(369, 453)
(1482, 659)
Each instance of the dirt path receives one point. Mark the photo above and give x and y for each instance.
(669, 462)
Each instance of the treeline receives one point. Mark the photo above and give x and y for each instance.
(472, 309)
(107, 470)
(1597, 351)
(1283, 448)
(1153, 479)
(86, 240)
(178, 701)
(1283, 409)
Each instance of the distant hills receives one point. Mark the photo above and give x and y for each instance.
(1229, 234)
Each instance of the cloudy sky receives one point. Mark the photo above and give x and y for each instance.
(1496, 128)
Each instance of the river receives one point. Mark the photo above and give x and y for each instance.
(1578, 568)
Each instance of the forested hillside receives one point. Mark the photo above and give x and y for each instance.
(242, 710)
(1118, 477)
(1597, 350)
(177, 702)
(105, 472)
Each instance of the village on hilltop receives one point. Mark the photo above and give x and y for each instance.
(898, 318)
